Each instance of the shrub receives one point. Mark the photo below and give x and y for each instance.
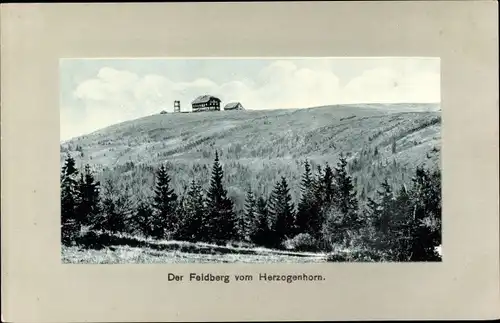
(302, 242)
(91, 240)
(359, 255)
(100, 240)
(69, 231)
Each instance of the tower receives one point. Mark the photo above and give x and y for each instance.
(177, 106)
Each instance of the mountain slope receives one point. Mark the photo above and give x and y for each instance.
(259, 146)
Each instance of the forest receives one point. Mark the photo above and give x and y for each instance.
(326, 216)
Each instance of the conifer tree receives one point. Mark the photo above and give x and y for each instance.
(262, 234)
(165, 203)
(328, 185)
(381, 213)
(317, 185)
(344, 197)
(194, 221)
(281, 212)
(308, 218)
(69, 224)
(323, 187)
(307, 179)
(426, 224)
(402, 224)
(304, 205)
(144, 219)
(246, 223)
(382, 209)
(88, 198)
(115, 212)
(111, 221)
(408, 224)
(222, 226)
(342, 221)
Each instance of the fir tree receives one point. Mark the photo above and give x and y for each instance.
(426, 224)
(281, 212)
(381, 213)
(306, 183)
(317, 184)
(144, 219)
(308, 218)
(246, 223)
(262, 234)
(222, 226)
(342, 222)
(328, 185)
(382, 210)
(112, 221)
(408, 224)
(402, 224)
(116, 210)
(323, 186)
(344, 197)
(88, 198)
(69, 224)
(193, 222)
(165, 203)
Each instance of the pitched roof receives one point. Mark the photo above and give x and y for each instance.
(204, 99)
(232, 105)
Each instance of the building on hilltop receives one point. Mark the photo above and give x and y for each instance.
(206, 103)
(177, 106)
(234, 106)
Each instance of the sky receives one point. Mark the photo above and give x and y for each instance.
(95, 93)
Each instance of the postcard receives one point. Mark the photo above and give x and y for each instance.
(278, 161)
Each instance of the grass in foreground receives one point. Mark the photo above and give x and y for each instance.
(104, 248)
(131, 255)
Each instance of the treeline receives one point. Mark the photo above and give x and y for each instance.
(396, 226)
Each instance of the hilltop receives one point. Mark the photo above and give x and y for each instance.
(382, 141)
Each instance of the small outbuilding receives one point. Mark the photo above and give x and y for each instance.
(234, 106)
(206, 103)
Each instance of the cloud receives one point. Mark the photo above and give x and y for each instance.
(115, 95)
(108, 84)
(385, 85)
(282, 85)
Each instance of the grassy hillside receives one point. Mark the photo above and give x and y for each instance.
(259, 146)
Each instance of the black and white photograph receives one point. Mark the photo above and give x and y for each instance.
(250, 160)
